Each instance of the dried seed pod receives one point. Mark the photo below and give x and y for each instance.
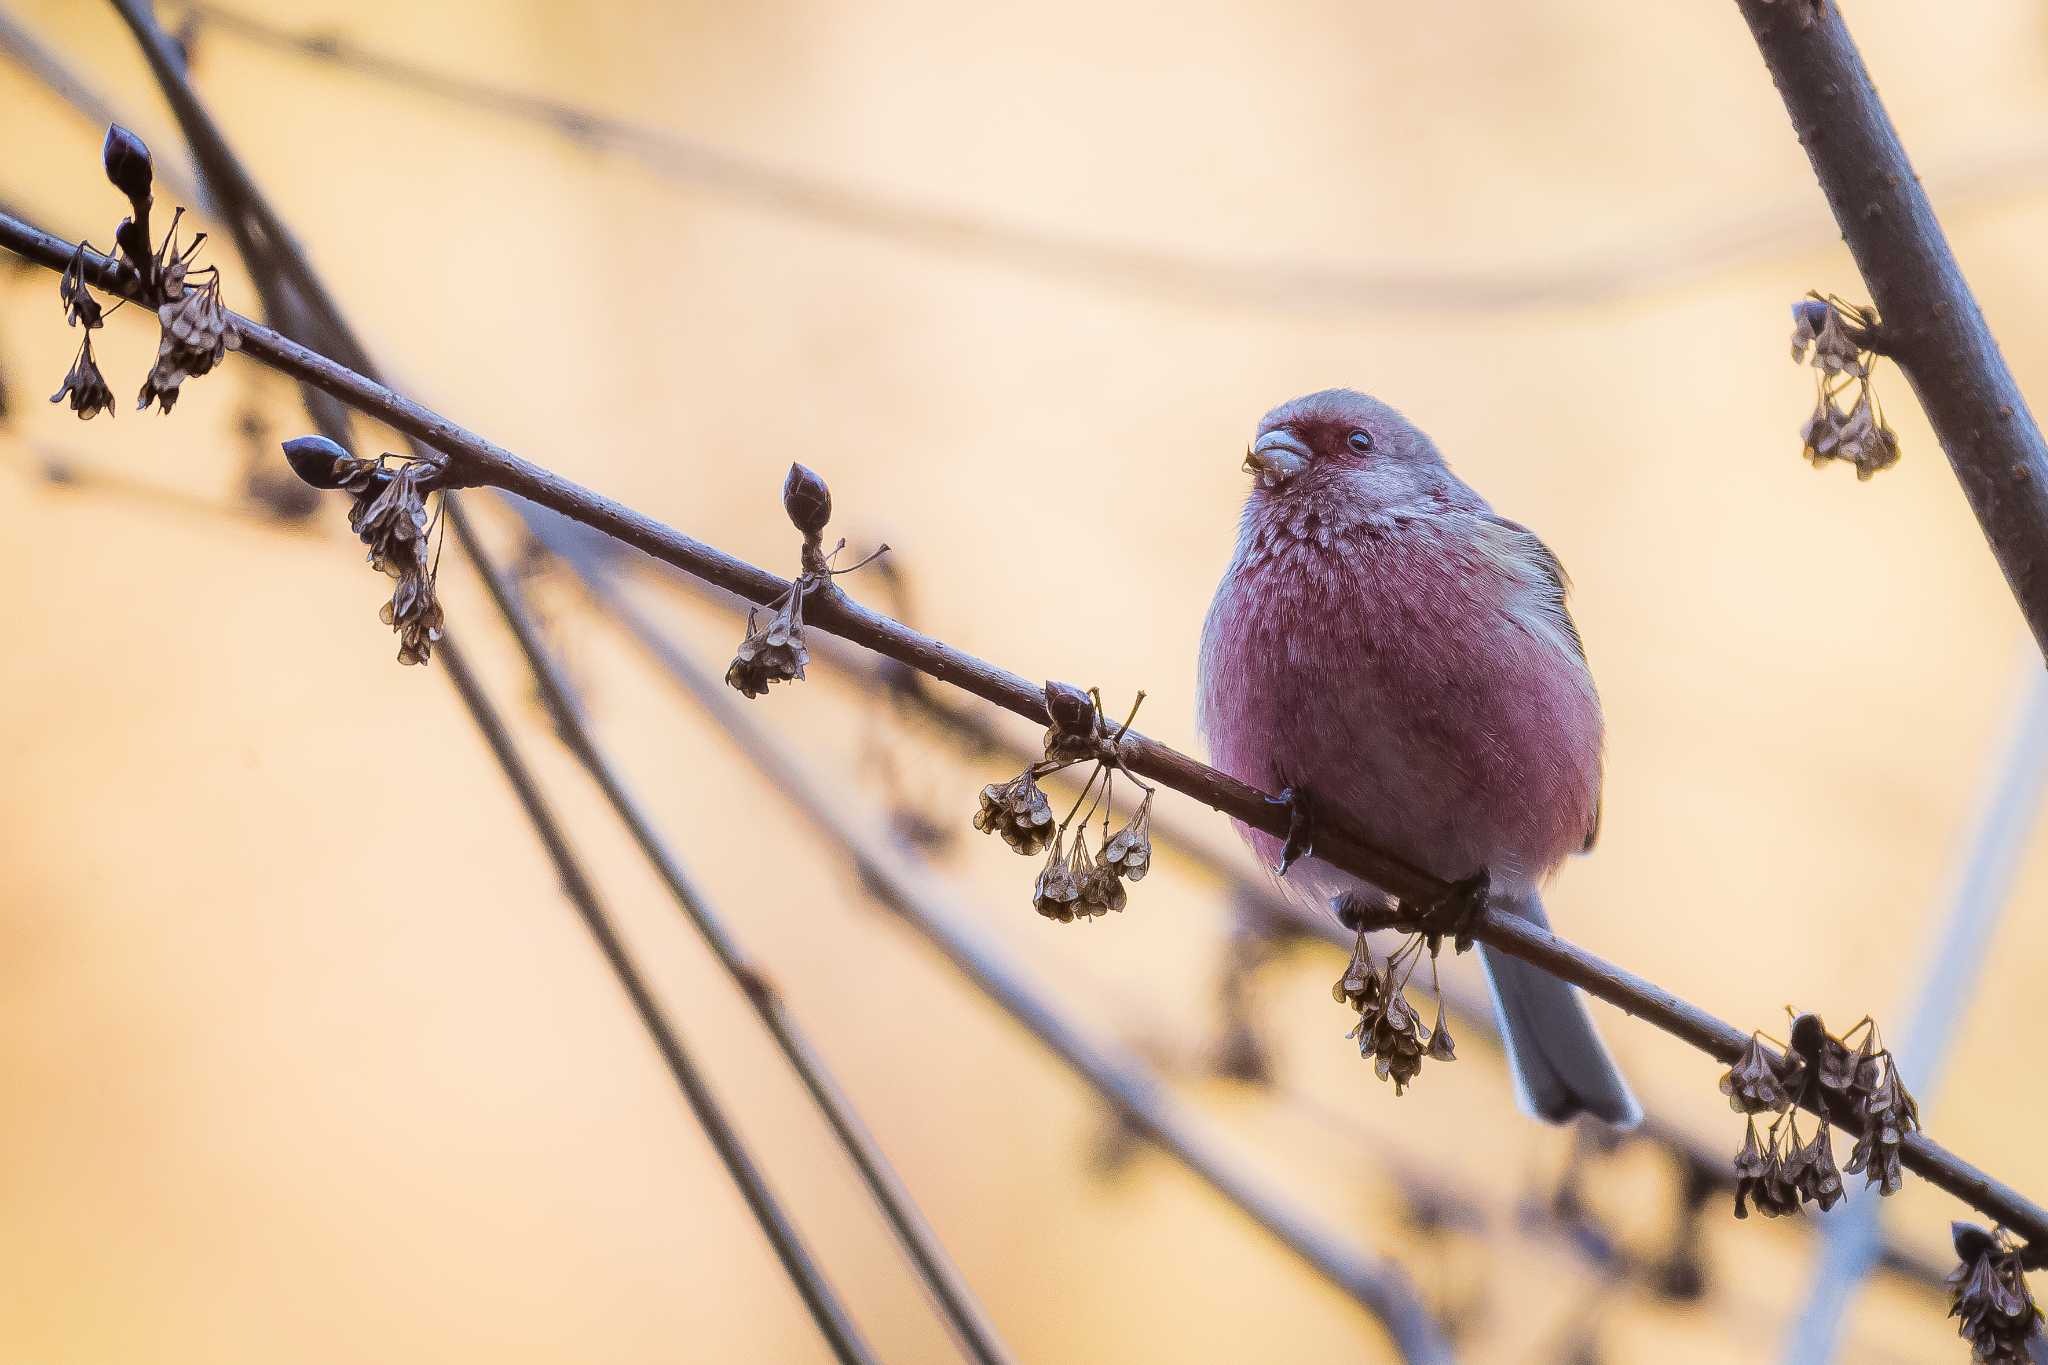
(1818, 1181)
(1757, 1084)
(1057, 890)
(390, 517)
(1441, 1046)
(807, 500)
(1101, 891)
(196, 334)
(1822, 431)
(772, 653)
(79, 304)
(1989, 1297)
(1129, 851)
(1019, 812)
(414, 612)
(1834, 352)
(85, 386)
(1808, 317)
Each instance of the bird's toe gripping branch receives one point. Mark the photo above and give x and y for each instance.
(1451, 914)
(1300, 827)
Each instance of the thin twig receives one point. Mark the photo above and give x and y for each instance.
(1663, 259)
(833, 1322)
(949, 1291)
(1931, 324)
(474, 460)
(1120, 1078)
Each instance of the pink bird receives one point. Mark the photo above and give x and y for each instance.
(1386, 645)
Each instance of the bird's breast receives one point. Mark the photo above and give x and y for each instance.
(1391, 672)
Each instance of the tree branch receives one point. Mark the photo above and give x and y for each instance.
(473, 460)
(1931, 324)
(826, 1310)
(976, 735)
(1121, 1079)
(294, 294)
(956, 1302)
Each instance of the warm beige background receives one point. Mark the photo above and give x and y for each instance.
(305, 1057)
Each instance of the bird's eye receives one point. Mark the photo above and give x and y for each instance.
(1361, 441)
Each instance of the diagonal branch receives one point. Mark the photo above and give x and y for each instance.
(1931, 323)
(473, 460)
(956, 1302)
(297, 297)
(1121, 1079)
(976, 735)
(833, 1323)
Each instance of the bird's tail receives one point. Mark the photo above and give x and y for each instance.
(1561, 1067)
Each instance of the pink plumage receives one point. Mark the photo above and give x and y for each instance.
(1385, 642)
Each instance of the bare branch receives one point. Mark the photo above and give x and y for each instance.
(297, 296)
(1932, 325)
(831, 1317)
(949, 1291)
(474, 460)
(1119, 1078)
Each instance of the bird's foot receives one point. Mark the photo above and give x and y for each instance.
(1451, 914)
(1300, 828)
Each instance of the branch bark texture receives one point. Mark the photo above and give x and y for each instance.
(1931, 325)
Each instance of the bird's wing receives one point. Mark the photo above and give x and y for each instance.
(1524, 556)
(1516, 545)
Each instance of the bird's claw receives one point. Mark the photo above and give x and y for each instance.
(1451, 914)
(1300, 828)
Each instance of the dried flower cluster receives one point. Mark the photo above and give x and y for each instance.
(1836, 339)
(1389, 1029)
(389, 514)
(774, 652)
(1074, 883)
(196, 329)
(1783, 1172)
(1988, 1295)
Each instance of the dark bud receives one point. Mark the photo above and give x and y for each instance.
(1069, 707)
(128, 166)
(807, 500)
(1076, 730)
(320, 462)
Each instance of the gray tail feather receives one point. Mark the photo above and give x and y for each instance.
(1561, 1067)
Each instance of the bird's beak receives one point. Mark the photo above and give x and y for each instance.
(1276, 457)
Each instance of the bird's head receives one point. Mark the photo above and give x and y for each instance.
(1344, 441)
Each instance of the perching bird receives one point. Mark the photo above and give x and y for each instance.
(1384, 644)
